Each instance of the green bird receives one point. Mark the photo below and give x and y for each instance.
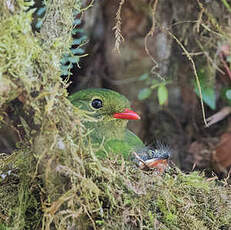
(108, 128)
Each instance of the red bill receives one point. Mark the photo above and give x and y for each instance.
(127, 115)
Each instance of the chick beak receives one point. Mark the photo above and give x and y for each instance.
(158, 164)
(127, 114)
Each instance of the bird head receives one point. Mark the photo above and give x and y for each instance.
(104, 105)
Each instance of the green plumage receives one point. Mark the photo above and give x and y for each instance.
(110, 132)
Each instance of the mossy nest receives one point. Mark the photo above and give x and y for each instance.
(79, 191)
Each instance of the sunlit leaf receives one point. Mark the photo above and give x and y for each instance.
(162, 94)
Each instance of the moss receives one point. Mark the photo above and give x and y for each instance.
(190, 202)
(57, 182)
(111, 195)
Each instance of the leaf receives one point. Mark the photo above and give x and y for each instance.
(228, 94)
(162, 94)
(77, 22)
(73, 59)
(207, 90)
(143, 77)
(208, 95)
(79, 40)
(154, 82)
(64, 60)
(77, 51)
(65, 69)
(39, 24)
(41, 11)
(228, 59)
(144, 93)
(75, 31)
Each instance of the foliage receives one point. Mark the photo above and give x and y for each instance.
(207, 89)
(162, 91)
(79, 40)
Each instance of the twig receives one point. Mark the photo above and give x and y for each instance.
(228, 176)
(195, 74)
(150, 34)
(118, 36)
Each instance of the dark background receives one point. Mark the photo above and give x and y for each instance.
(179, 122)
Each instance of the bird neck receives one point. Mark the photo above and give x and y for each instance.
(107, 130)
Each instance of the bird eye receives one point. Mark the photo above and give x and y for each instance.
(97, 103)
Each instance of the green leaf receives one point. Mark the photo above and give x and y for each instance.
(208, 96)
(207, 89)
(41, 11)
(77, 51)
(228, 59)
(162, 94)
(144, 93)
(74, 59)
(39, 24)
(154, 82)
(66, 67)
(78, 41)
(228, 94)
(77, 22)
(64, 60)
(143, 77)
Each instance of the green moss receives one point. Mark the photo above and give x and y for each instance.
(101, 193)
(190, 201)
(57, 182)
